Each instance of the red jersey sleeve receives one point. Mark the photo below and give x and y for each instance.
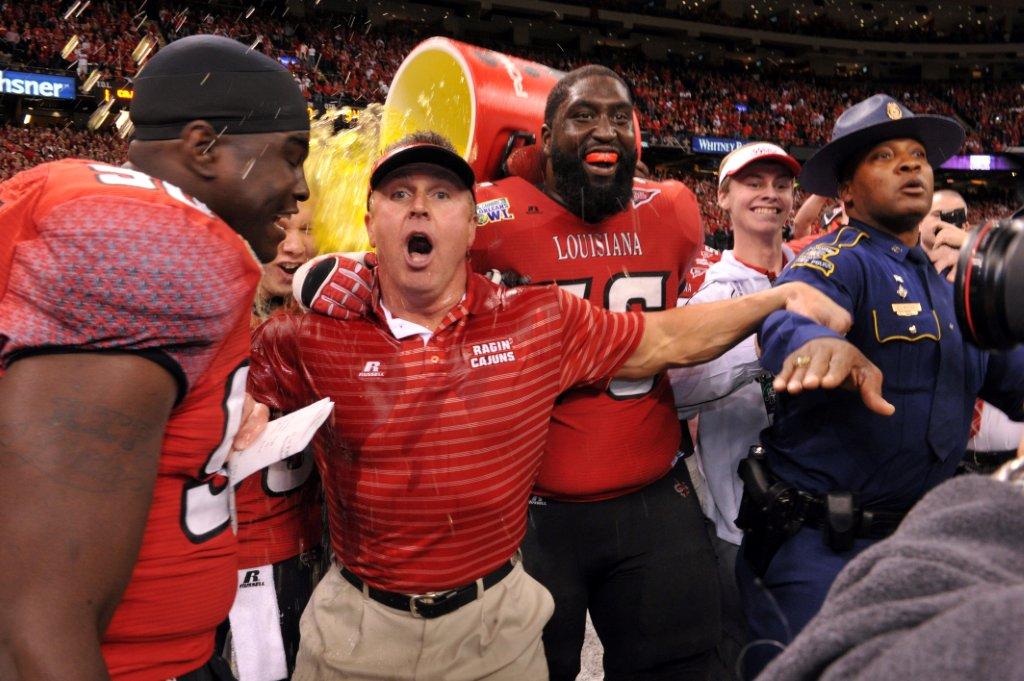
(275, 373)
(92, 275)
(595, 342)
(698, 270)
(688, 221)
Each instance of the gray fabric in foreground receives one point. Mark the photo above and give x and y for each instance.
(942, 599)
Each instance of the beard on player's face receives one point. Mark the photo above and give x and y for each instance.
(591, 199)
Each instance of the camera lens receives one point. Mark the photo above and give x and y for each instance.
(989, 284)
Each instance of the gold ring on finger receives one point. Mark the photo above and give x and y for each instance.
(802, 360)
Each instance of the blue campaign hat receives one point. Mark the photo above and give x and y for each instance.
(865, 124)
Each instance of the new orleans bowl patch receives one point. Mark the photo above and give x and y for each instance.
(494, 210)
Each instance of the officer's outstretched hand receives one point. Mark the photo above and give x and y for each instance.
(832, 363)
(336, 284)
(808, 301)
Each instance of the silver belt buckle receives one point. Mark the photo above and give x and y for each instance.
(429, 598)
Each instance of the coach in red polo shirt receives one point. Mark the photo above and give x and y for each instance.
(443, 394)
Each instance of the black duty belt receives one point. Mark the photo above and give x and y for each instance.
(432, 604)
(869, 524)
(776, 508)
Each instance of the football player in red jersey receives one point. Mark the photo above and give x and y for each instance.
(610, 463)
(124, 333)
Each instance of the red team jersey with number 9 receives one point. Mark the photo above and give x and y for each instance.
(279, 513)
(99, 258)
(603, 442)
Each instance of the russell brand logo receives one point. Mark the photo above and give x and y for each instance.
(252, 578)
(371, 369)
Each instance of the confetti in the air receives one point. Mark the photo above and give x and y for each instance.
(123, 125)
(99, 116)
(248, 168)
(143, 50)
(69, 47)
(91, 80)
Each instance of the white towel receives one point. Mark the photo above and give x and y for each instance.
(257, 644)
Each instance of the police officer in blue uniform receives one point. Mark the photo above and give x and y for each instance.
(834, 473)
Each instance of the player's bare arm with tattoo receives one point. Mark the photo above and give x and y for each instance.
(80, 436)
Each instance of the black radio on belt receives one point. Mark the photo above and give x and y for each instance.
(841, 519)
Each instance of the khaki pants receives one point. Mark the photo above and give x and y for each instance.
(346, 635)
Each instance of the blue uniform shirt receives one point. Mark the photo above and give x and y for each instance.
(826, 440)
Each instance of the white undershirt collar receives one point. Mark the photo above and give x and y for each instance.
(403, 328)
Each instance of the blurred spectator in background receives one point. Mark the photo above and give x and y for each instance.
(993, 436)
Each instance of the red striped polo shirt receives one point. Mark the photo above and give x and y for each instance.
(433, 447)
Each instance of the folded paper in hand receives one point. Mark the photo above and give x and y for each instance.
(282, 438)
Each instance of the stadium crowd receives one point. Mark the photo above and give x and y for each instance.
(885, 23)
(718, 232)
(35, 34)
(344, 59)
(27, 147)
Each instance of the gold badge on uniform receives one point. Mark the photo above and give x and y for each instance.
(894, 111)
(906, 309)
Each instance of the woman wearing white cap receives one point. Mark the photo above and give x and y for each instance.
(755, 189)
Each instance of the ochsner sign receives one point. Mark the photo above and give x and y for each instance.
(714, 145)
(37, 85)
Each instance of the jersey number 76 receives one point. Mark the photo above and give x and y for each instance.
(646, 291)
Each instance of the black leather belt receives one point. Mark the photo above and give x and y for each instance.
(432, 604)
